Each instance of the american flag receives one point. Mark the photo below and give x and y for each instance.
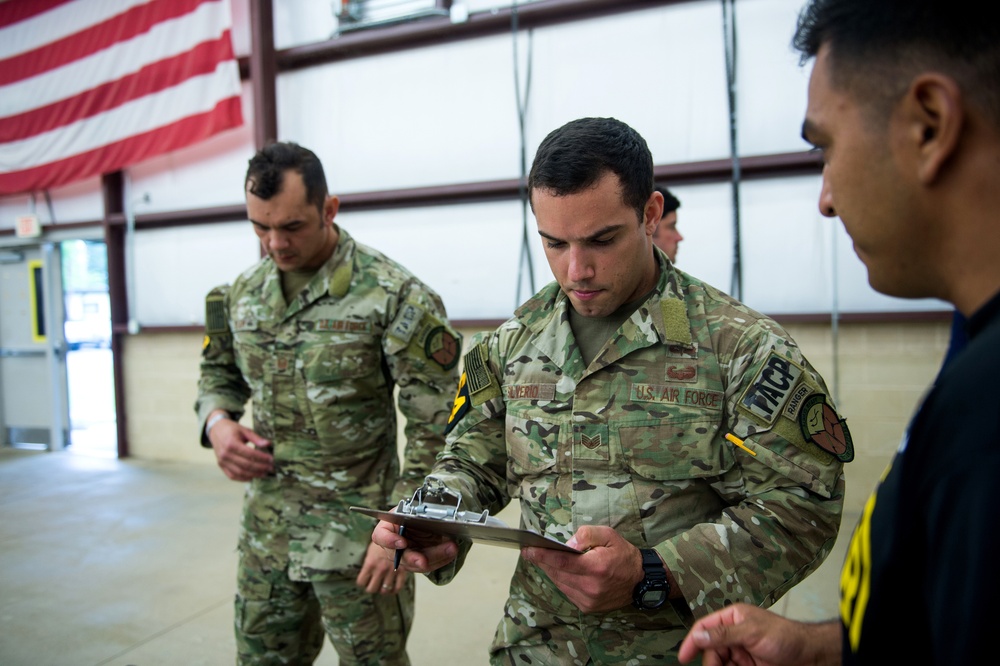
(92, 86)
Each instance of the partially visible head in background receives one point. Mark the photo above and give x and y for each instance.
(667, 237)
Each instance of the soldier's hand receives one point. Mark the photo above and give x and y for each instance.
(423, 552)
(744, 634)
(238, 451)
(599, 580)
(377, 576)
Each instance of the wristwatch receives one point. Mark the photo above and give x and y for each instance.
(651, 592)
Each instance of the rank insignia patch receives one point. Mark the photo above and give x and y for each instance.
(822, 426)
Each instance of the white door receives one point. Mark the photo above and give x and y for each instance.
(33, 402)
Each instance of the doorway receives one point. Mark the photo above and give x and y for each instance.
(33, 412)
(89, 362)
(56, 367)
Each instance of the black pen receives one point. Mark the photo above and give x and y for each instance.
(399, 551)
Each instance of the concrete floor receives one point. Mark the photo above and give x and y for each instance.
(132, 563)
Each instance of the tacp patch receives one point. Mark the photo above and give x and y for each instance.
(482, 384)
(215, 315)
(406, 322)
(770, 389)
(463, 401)
(821, 425)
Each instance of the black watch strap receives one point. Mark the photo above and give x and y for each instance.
(652, 591)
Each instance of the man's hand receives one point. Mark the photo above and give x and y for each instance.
(750, 636)
(599, 580)
(238, 451)
(424, 552)
(377, 576)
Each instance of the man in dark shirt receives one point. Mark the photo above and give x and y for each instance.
(904, 103)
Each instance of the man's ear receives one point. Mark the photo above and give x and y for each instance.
(934, 111)
(330, 207)
(652, 212)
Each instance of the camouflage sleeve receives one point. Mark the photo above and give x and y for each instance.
(474, 461)
(422, 352)
(221, 384)
(786, 490)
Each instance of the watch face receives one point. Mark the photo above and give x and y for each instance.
(654, 598)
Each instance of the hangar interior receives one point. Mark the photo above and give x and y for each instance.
(119, 530)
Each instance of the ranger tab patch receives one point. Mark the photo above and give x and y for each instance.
(769, 391)
(822, 426)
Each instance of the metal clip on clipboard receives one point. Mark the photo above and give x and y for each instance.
(436, 504)
(438, 511)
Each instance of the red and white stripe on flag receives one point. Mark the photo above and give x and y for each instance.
(92, 86)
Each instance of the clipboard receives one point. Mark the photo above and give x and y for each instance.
(434, 512)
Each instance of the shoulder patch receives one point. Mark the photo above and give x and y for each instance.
(441, 347)
(405, 324)
(461, 405)
(482, 385)
(770, 390)
(215, 315)
(821, 425)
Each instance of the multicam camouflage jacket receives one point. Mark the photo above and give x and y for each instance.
(637, 441)
(321, 371)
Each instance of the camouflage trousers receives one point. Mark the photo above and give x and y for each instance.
(281, 622)
(542, 627)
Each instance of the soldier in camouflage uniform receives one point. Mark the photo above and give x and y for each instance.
(603, 406)
(318, 335)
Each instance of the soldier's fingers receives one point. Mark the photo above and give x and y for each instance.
(399, 580)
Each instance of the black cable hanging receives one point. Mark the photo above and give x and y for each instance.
(729, 39)
(524, 258)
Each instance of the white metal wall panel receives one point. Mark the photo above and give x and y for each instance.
(176, 268)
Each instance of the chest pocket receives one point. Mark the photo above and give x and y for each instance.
(336, 357)
(253, 349)
(676, 450)
(533, 443)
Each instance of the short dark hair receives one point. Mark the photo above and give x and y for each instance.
(266, 172)
(670, 202)
(876, 46)
(575, 156)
